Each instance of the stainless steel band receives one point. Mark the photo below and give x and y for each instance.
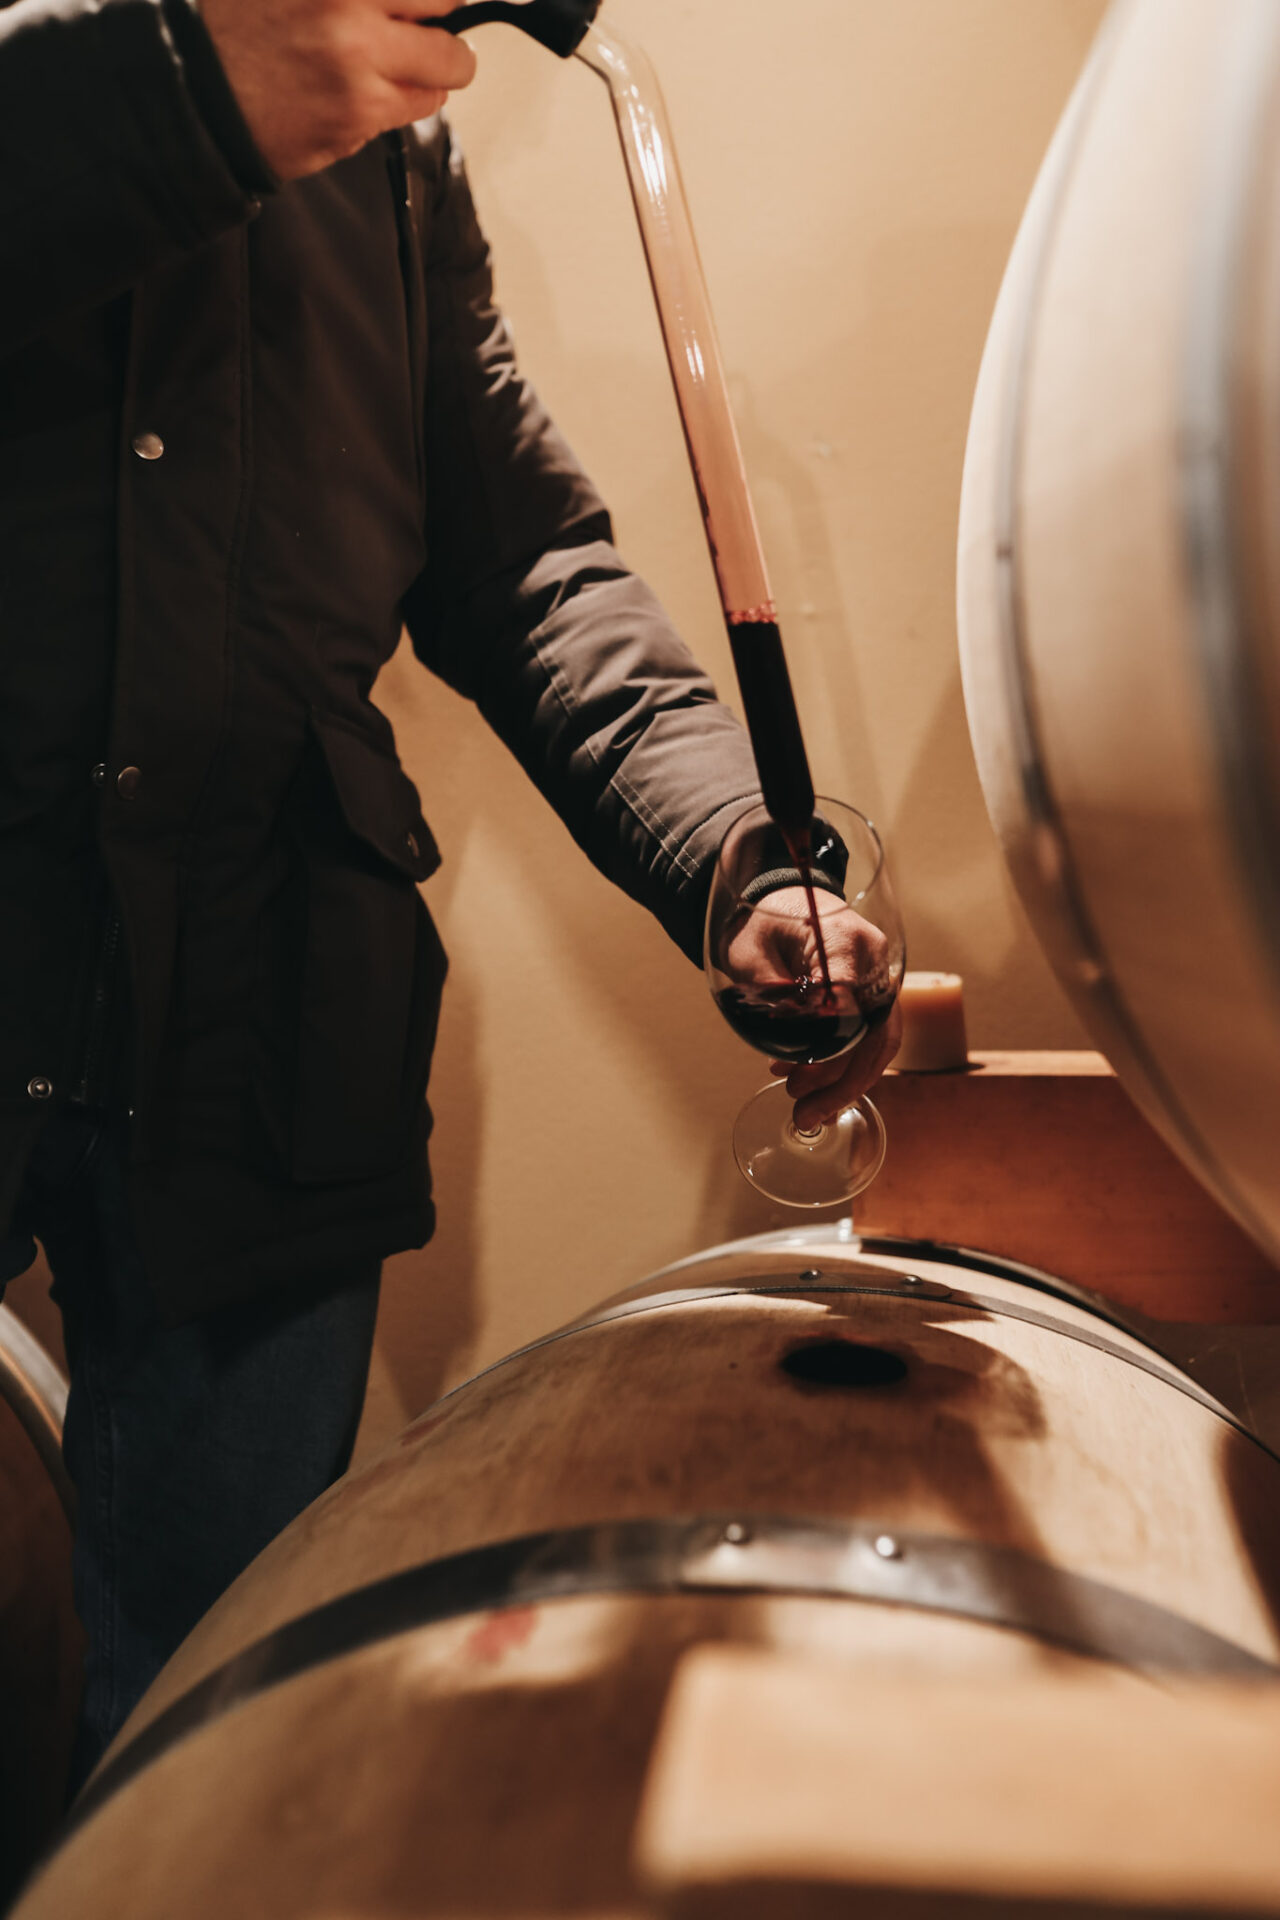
(888, 1281)
(760, 1554)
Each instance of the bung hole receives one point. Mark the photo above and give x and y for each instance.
(843, 1363)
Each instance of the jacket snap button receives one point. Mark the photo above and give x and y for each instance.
(40, 1088)
(148, 446)
(128, 780)
(411, 841)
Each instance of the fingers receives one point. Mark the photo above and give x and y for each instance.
(420, 9)
(816, 1108)
(414, 105)
(820, 1091)
(317, 79)
(422, 59)
(808, 1079)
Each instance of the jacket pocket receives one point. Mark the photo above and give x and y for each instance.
(367, 967)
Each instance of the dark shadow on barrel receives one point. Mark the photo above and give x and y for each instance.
(921, 1444)
(849, 1900)
(931, 1396)
(1251, 1477)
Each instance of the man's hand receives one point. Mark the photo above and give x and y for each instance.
(317, 79)
(820, 1091)
(783, 941)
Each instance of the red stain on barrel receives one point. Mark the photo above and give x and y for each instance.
(500, 1634)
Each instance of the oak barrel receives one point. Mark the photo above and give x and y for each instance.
(437, 1692)
(1119, 575)
(40, 1641)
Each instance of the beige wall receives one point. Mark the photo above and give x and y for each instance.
(856, 177)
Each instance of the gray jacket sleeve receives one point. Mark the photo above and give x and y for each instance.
(120, 146)
(526, 607)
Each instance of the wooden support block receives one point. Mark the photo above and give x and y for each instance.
(1043, 1158)
(786, 1788)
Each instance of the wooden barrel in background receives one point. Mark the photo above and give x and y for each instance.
(1119, 575)
(437, 1692)
(40, 1641)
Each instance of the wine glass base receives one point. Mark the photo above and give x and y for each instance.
(818, 1169)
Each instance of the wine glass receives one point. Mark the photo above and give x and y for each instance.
(804, 973)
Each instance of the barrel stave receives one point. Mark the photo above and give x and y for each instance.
(1019, 1435)
(490, 1765)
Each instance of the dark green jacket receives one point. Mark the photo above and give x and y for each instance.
(246, 433)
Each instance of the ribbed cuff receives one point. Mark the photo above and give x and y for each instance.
(785, 877)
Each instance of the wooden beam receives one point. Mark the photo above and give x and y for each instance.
(1043, 1158)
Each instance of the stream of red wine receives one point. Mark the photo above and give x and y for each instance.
(769, 704)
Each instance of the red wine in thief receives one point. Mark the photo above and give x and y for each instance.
(773, 723)
(801, 1020)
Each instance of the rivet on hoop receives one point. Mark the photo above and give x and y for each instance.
(887, 1547)
(736, 1535)
(812, 1273)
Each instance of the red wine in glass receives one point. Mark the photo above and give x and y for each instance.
(759, 955)
(774, 725)
(801, 1020)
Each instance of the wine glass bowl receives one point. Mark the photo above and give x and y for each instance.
(804, 953)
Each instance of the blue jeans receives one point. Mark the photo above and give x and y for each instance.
(190, 1447)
